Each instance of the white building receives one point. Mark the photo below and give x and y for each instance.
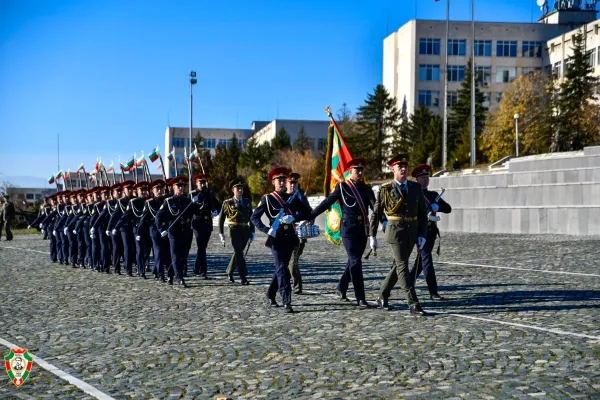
(316, 131)
(414, 56)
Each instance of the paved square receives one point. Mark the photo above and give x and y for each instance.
(519, 320)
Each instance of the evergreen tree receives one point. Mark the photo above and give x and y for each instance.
(376, 122)
(460, 116)
(224, 171)
(234, 152)
(576, 92)
(301, 142)
(421, 136)
(281, 141)
(204, 156)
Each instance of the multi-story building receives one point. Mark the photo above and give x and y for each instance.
(414, 57)
(263, 131)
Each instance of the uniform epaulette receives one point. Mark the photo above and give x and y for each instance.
(387, 184)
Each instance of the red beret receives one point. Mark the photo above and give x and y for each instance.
(401, 158)
(142, 184)
(128, 183)
(115, 186)
(293, 177)
(356, 163)
(65, 193)
(158, 182)
(202, 177)
(179, 180)
(280, 172)
(422, 169)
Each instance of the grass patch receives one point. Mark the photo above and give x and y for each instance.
(25, 231)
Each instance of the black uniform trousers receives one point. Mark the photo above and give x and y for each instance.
(52, 245)
(84, 233)
(239, 239)
(179, 242)
(141, 252)
(117, 252)
(295, 265)
(128, 249)
(104, 254)
(161, 252)
(282, 249)
(64, 242)
(355, 247)
(96, 253)
(424, 263)
(202, 232)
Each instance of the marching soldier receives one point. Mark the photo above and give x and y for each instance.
(62, 241)
(282, 209)
(45, 209)
(425, 261)
(117, 226)
(174, 219)
(103, 244)
(403, 203)
(292, 187)
(129, 223)
(69, 227)
(355, 198)
(160, 245)
(237, 210)
(202, 224)
(47, 225)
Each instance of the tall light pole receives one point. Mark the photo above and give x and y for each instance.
(445, 133)
(193, 81)
(517, 133)
(473, 148)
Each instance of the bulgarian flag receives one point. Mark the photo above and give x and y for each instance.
(81, 168)
(92, 177)
(171, 155)
(154, 155)
(194, 154)
(338, 156)
(129, 165)
(58, 175)
(159, 166)
(99, 165)
(68, 174)
(140, 161)
(51, 180)
(110, 168)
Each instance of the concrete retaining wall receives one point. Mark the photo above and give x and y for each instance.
(550, 193)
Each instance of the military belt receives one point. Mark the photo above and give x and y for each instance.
(231, 223)
(401, 218)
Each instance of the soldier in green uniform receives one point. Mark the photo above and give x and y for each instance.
(237, 210)
(403, 204)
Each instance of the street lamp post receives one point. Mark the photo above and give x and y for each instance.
(517, 133)
(193, 81)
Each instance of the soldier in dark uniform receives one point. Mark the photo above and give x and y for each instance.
(102, 243)
(83, 228)
(45, 209)
(425, 261)
(355, 198)
(117, 226)
(403, 203)
(292, 187)
(129, 223)
(160, 245)
(62, 239)
(282, 209)
(202, 224)
(7, 214)
(69, 227)
(76, 228)
(47, 225)
(174, 220)
(111, 207)
(237, 210)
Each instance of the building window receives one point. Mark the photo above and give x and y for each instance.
(178, 142)
(557, 69)
(506, 48)
(29, 196)
(568, 64)
(429, 98)
(484, 76)
(592, 57)
(486, 98)
(242, 144)
(505, 74)
(210, 143)
(429, 46)
(498, 97)
(38, 196)
(179, 158)
(452, 98)
(483, 48)
(530, 70)
(321, 144)
(456, 73)
(428, 72)
(457, 47)
(531, 49)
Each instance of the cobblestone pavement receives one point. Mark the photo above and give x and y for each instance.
(519, 320)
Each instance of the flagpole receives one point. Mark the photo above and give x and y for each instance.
(175, 161)
(162, 168)
(135, 175)
(473, 149)
(445, 133)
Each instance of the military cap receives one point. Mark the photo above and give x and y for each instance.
(116, 186)
(128, 183)
(293, 177)
(66, 193)
(201, 177)
(279, 172)
(157, 183)
(421, 170)
(356, 163)
(401, 158)
(180, 180)
(109, 189)
(236, 182)
(81, 192)
(142, 184)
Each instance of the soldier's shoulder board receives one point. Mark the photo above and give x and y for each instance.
(386, 185)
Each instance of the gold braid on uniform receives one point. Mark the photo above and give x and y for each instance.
(390, 206)
(231, 211)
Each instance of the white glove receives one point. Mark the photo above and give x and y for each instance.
(74, 232)
(222, 237)
(54, 233)
(42, 230)
(384, 226)
(92, 236)
(420, 242)
(252, 236)
(163, 233)
(373, 242)
(28, 226)
(65, 230)
(114, 232)
(107, 233)
(287, 219)
(214, 213)
(434, 207)
(138, 238)
(92, 230)
(272, 232)
(41, 226)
